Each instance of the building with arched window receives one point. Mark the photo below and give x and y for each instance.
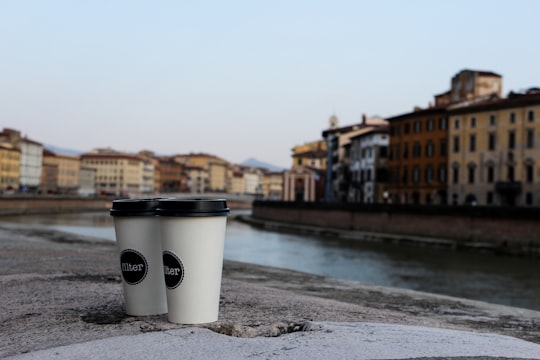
(494, 158)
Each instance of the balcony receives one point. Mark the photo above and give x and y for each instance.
(509, 187)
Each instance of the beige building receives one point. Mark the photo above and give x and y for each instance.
(151, 174)
(31, 158)
(236, 182)
(494, 151)
(117, 173)
(87, 181)
(68, 177)
(10, 164)
(301, 184)
(217, 171)
(469, 85)
(312, 154)
(197, 179)
(217, 175)
(246, 180)
(273, 186)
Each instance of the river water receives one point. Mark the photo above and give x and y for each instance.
(497, 279)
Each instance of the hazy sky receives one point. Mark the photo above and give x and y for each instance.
(242, 79)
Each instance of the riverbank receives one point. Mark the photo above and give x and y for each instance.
(47, 204)
(61, 289)
(500, 231)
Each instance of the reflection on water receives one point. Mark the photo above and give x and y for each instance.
(503, 280)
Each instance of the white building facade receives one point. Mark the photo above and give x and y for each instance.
(31, 162)
(368, 167)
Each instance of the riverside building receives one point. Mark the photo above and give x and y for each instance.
(338, 175)
(419, 140)
(369, 166)
(117, 173)
(31, 158)
(312, 154)
(10, 167)
(494, 155)
(62, 174)
(418, 157)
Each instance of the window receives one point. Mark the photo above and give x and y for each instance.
(456, 123)
(470, 174)
(512, 118)
(455, 174)
(383, 151)
(489, 198)
(407, 128)
(417, 150)
(396, 152)
(490, 174)
(417, 126)
(430, 149)
(442, 173)
(431, 124)
(442, 123)
(473, 122)
(511, 139)
(456, 143)
(429, 174)
(472, 143)
(416, 174)
(530, 138)
(406, 150)
(510, 173)
(529, 170)
(443, 147)
(529, 198)
(492, 119)
(491, 141)
(530, 115)
(405, 178)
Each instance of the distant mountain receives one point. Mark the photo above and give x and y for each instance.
(260, 164)
(59, 150)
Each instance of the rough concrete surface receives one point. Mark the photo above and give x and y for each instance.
(60, 289)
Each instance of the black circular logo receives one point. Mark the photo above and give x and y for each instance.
(134, 266)
(173, 270)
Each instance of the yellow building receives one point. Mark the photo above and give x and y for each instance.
(10, 164)
(312, 154)
(216, 167)
(273, 186)
(236, 182)
(494, 151)
(68, 178)
(117, 173)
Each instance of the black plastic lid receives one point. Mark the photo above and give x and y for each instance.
(192, 207)
(134, 207)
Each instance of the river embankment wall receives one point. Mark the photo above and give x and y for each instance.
(508, 230)
(20, 205)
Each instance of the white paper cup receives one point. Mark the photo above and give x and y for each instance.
(192, 238)
(139, 248)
